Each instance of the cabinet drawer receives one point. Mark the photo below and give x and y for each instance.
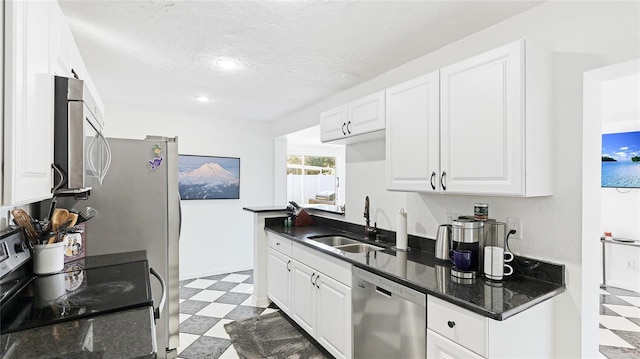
(280, 244)
(328, 265)
(457, 324)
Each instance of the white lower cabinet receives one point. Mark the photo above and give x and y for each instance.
(439, 347)
(454, 332)
(333, 316)
(318, 303)
(304, 298)
(322, 307)
(279, 280)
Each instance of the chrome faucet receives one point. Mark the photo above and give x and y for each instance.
(368, 230)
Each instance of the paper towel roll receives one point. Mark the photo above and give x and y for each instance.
(401, 230)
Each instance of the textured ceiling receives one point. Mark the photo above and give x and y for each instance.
(294, 53)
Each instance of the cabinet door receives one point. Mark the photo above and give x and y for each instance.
(62, 44)
(333, 124)
(334, 316)
(303, 297)
(439, 347)
(412, 135)
(482, 117)
(28, 110)
(279, 268)
(366, 114)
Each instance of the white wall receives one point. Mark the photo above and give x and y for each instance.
(583, 36)
(216, 237)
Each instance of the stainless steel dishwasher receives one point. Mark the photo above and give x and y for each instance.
(389, 319)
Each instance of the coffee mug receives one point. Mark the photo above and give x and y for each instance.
(461, 258)
(494, 263)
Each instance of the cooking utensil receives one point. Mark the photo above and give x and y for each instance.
(86, 214)
(59, 217)
(23, 219)
(73, 218)
(61, 232)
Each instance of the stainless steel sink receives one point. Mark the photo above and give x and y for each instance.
(333, 240)
(344, 243)
(358, 248)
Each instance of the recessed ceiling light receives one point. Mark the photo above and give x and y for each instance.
(227, 63)
(202, 99)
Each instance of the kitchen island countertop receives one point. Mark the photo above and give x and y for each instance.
(420, 270)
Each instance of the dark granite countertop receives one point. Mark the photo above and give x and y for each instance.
(534, 281)
(260, 209)
(126, 334)
(123, 334)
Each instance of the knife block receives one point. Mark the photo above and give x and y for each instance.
(303, 219)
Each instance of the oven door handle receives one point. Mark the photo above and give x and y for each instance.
(158, 311)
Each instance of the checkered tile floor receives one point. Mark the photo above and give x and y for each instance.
(206, 305)
(619, 323)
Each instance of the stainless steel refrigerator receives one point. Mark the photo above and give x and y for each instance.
(138, 208)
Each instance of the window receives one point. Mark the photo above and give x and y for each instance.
(311, 179)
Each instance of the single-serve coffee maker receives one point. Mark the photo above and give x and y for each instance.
(467, 242)
(469, 238)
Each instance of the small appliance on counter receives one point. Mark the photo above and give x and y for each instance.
(470, 238)
(467, 241)
(443, 242)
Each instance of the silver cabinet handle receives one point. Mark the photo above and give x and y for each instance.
(349, 127)
(451, 324)
(442, 178)
(433, 177)
(313, 275)
(315, 283)
(158, 311)
(288, 269)
(343, 132)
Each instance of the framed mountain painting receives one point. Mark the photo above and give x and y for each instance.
(208, 177)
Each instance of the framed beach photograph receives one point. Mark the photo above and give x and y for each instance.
(621, 160)
(208, 177)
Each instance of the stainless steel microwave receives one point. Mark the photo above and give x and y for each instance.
(81, 152)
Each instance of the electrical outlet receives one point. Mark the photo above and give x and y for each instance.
(515, 223)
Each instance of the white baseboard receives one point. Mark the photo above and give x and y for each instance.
(261, 302)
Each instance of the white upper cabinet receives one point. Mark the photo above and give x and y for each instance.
(38, 46)
(495, 124)
(333, 124)
(28, 102)
(359, 120)
(482, 124)
(412, 135)
(494, 127)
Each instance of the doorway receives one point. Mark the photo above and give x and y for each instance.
(592, 224)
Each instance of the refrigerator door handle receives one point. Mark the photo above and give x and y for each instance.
(158, 311)
(179, 216)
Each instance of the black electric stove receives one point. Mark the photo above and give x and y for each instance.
(72, 294)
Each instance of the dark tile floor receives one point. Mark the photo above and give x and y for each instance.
(206, 305)
(619, 323)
